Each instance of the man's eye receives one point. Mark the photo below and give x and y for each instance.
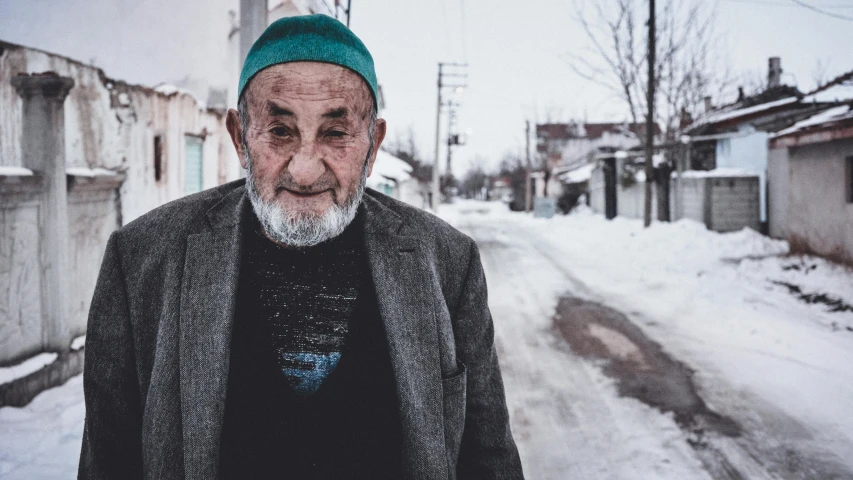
(335, 133)
(280, 131)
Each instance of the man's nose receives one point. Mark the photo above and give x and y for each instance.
(306, 166)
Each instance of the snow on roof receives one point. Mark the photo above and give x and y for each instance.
(89, 172)
(836, 93)
(827, 116)
(168, 90)
(11, 171)
(717, 173)
(723, 115)
(578, 175)
(388, 168)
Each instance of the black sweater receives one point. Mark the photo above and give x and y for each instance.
(310, 389)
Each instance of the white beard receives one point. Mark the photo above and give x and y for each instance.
(303, 230)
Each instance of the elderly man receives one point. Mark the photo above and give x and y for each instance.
(295, 325)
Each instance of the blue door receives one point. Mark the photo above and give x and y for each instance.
(193, 164)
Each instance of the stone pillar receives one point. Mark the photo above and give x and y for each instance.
(43, 152)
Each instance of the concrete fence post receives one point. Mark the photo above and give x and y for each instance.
(43, 151)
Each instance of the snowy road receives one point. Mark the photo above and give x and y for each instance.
(568, 417)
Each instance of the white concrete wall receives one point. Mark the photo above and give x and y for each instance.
(110, 124)
(819, 217)
(21, 323)
(630, 201)
(778, 185)
(692, 197)
(596, 190)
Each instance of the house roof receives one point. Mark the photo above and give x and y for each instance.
(839, 89)
(558, 131)
(388, 168)
(567, 131)
(831, 124)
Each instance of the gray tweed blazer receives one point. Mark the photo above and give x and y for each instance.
(157, 344)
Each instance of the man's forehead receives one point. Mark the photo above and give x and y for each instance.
(309, 79)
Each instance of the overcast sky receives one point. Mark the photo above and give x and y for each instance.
(517, 53)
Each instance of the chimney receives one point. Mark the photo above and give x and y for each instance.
(774, 72)
(708, 106)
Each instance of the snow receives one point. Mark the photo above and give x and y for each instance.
(10, 171)
(28, 366)
(89, 172)
(836, 93)
(78, 343)
(578, 175)
(169, 89)
(717, 173)
(723, 115)
(831, 115)
(42, 440)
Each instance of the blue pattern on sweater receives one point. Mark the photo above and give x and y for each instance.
(317, 367)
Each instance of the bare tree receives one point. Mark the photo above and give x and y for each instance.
(686, 66)
(404, 147)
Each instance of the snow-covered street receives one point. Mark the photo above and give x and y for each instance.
(776, 366)
(729, 319)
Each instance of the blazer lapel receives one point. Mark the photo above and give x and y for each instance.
(208, 295)
(405, 287)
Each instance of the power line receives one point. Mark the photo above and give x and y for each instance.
(786, 3)
(822, 12)
(464, 37)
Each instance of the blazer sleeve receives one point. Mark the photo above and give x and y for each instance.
(112, 430)
(488, 450)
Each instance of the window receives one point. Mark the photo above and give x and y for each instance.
(158, 157)
(849, 178)
(193, 164)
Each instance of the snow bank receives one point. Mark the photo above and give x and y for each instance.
(78, 343)
(716, 173)
(89, 172)
(15, 171)
(580, 174)
(28, 366)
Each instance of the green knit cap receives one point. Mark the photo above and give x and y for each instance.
(317, 38)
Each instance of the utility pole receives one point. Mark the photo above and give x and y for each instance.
(527, 191)
(253, 22)
(349, 11)
(650, 117)
(436, 178)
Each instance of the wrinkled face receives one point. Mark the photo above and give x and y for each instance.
(308, 137)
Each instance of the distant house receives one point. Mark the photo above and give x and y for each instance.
(393, 177)
(570, 151)
(811, 176)
(736, 136)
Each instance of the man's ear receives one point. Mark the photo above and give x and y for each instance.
(232, 123)
(378, 135)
